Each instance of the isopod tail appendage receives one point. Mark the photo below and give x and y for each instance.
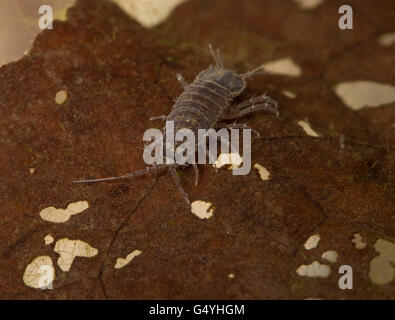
(178, 184)
(128, 175)
(217, 57)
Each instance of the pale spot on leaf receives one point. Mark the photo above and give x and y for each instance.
(263, 172)
(307, 128)
(358, 241)
(234, 160)
(382, 267)
(312, 242)
(308, 4)
(55, 215)
(330, 255)
(121, 262)
(61, 97)
(48, 239)
(289, 94)
(202, 209)
(387, 39)
(285, 66)
(359, 94)
(314, 270)
(149, 12)
(69, 249)
(40, 273)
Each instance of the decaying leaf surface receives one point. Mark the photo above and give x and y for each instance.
(117, 75)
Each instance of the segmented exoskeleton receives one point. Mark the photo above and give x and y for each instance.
(203, 104)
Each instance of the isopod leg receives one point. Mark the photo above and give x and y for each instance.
(216, 56)
(181, 79)
(178, 184)
(220, 125)
(259, 107)
(250, 106)
(242, 126)
(253, 100)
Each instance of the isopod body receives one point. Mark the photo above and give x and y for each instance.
(204, 104)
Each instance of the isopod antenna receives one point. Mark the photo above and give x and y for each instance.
(128, 175)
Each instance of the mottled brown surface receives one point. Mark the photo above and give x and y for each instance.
(117, 75)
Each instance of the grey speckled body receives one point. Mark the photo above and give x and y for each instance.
(203, 104)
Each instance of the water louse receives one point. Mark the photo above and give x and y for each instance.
(202, 105)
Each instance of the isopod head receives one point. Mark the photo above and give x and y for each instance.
(226, 78)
